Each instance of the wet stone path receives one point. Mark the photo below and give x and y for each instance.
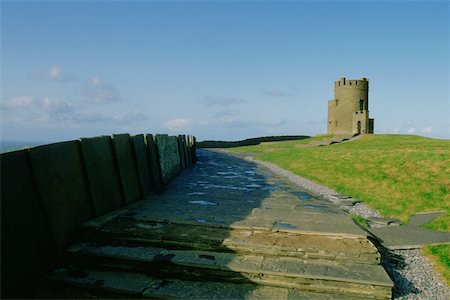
(228, 228)
(225, 191)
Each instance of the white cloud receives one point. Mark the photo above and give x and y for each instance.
(411, 130)
(427, 129)
(396, 130)
(221, 101)
(54, 73)
(277, 94)
(97, 91)
(177, 124)
(30, 110)
(17, 103)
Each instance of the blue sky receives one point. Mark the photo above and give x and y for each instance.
(219, 70)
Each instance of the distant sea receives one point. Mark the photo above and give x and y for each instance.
(7, 146)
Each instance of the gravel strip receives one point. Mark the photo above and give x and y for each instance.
(411, 272)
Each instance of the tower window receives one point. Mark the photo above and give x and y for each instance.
(335, 123)
(337, 101)
(361, 104)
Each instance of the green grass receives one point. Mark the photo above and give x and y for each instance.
(360, 220)
(398, 175)
(440, 255)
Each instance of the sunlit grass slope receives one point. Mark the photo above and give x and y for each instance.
(398, 175)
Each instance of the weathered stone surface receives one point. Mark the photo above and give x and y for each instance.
(169, 156)
(280, 271)
(154, 166)
(349, 202)
(409, 237)
(142, 164)
(339, 197)
(228, 221)
(127, 283)
(262, 242)
(182, 151)
(423, 218)
(127, 168)
(384, 221)
(27, 251)
(61, 182)
(149, 287)
(187, 151)
(102, 174)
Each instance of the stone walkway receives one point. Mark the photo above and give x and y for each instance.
(227, 228)
(412, 273)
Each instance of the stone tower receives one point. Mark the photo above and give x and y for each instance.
(348, 112)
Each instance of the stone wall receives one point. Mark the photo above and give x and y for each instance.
(47, 192)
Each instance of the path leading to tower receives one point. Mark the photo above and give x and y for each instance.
(228, 228)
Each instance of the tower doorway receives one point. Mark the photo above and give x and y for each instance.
(358, 130)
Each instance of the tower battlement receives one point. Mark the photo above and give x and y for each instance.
(358, 83)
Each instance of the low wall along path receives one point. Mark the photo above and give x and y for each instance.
(47, 192)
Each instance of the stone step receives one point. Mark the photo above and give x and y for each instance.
(245, 240)
(323, 276)
(137, 285)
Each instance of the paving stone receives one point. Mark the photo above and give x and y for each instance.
(423, 218)
(305, 222)
(177, 289)
(348, 202)
(384, 221)
(128, 283)
(264, 242)
(134, 284)
(339, 197)
(281, 270)
(409, 237)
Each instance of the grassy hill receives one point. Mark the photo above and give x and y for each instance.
(398, 175)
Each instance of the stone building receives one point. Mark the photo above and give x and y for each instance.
(348, 112)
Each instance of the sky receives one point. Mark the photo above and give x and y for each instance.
(222, 70)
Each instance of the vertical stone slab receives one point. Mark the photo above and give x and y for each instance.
(127, 168)
(61, 183)
(185, 151)
(140, 153)
(154, 165)
(181, 152)
(102, 174)
(194, 148)
(169, 157)
(188, 150)
(27, 251)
